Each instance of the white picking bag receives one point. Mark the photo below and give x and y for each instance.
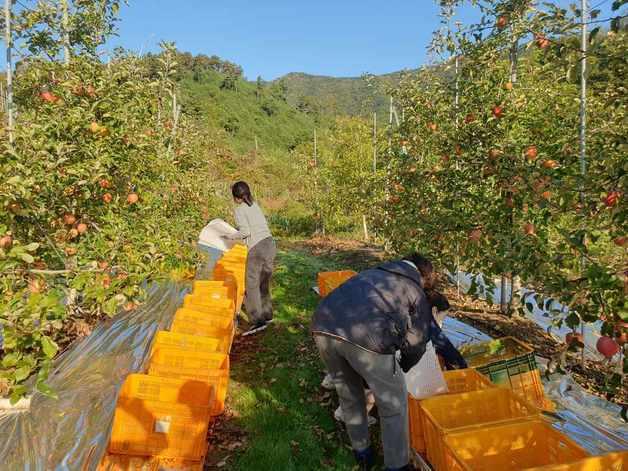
(425, 379)
(213, 233)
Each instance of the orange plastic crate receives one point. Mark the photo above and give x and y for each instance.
(236, 266)
(205, 329)
(162, 417)
(610, 462)
(455, 412)
(458, 381)
(239, 280)
(153, 388)
(112, 462)
(528, 444)
(215, 289)
(225, 305)
(219, 319)
(187, 361)
(189, 342)
(217, 379)
(144, 427)
(330, 280)
(529, 386)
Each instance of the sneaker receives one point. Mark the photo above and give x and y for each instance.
(328, 383)
(365, 459)
(255, 328)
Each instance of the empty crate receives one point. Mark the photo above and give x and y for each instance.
(454, 412)
(458, 381)
(521, 445)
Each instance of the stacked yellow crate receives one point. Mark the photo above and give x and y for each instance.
(162, 417)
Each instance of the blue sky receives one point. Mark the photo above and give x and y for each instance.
(273, 37)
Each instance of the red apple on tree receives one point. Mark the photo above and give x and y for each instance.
(48, 97)
(607, 346)
(550, 164)
(502, 22)
(611, 198)
(498, 111)
(541, 40)
(6, 241)
(475, 235)
(132, 198)
(529, 229)
(531, 153)
(107, 198)
(81, 228)
(620, 241)
(106, 281)
(69, 219)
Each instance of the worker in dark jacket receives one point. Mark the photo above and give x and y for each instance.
(360, 328)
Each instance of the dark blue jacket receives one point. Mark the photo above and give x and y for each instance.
(384, 310)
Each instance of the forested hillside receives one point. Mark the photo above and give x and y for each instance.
(337, 96)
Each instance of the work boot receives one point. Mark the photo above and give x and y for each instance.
(365, 459)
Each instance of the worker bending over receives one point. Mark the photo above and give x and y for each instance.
(369, 329)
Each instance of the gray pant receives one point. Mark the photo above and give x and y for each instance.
(348, 366)
(259, 272)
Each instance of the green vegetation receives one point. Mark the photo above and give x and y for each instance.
(350, 96)
(245, 111)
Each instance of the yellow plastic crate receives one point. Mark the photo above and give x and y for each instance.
(610, 462)
(239, 280)
(161, 417)
(143, 427)
(216, 318)
(191, 392)
(217, 379)
(189, 342)
(528, 444)
(458, 381)
(226, 305)
(188, 361)
(112, 462)
(237, 249)
(207, 330)
(215, 289)
(330, 280)
(455, 412)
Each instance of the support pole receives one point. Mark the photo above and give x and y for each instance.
(9, 68)
(374, 142)
(65, 32)
(584, 39)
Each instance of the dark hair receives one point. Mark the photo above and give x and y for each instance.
(242, 191)
(437, 300)
(423, 264)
